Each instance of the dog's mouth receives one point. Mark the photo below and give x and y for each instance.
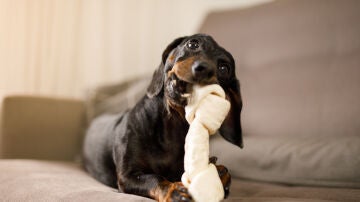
(183, 75)
(177, 90)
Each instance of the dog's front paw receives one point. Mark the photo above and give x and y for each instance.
(177, 192)
(225, 178)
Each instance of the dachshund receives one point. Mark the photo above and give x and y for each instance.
(141, 151)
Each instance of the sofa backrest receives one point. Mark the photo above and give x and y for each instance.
(298, 64)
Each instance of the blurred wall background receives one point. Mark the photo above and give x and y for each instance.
(64, 47)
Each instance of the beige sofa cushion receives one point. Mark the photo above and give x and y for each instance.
(31, 180)
(298, 63)
(115, 98)
(327, 162)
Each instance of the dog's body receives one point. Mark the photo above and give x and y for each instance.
(141, 151)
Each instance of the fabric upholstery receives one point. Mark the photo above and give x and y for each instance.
(298, 63)
(42, 128)
(35, 180)
(330, 162)
(115, 98)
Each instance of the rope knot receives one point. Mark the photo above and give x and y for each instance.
(208, 105)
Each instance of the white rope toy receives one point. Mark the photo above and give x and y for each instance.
(205, 112)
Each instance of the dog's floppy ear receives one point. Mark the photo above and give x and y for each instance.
(157, 82)
(231, 127)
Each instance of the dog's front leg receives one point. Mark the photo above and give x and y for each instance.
(155, 187)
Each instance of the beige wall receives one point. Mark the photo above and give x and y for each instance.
(63, 47)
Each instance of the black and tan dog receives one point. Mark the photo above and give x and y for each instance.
(141, 151)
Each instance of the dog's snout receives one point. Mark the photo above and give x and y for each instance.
(202, 70)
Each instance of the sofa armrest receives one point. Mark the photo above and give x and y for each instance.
(41, 128)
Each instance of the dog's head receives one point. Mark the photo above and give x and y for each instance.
(198, 59)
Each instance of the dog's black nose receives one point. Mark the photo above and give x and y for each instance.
(202, 71)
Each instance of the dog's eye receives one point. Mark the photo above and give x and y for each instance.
(193, 44)
(223, 70)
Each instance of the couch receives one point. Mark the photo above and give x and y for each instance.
(299, 69)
